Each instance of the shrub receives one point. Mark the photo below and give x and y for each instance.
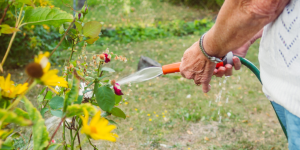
(210, 4)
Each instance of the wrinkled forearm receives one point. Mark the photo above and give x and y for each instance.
(238, 21)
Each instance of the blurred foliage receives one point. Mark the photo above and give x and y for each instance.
(209, 4)
(28, 43)
(132, 33)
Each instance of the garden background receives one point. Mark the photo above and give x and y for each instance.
(168, 112)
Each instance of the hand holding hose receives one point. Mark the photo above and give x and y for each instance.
(198, 67)
(195, 65)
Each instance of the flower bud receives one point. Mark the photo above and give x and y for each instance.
(85, 9)
(94, 57)
(102, 57)
(117, 89)
(113, 82)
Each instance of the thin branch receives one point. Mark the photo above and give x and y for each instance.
(4, 14)
(92, 144)
(61, 40)
(79, 140)
(29, 141)
(101, 74)
(62, 120)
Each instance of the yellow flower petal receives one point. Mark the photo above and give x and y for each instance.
(9, 90)
(95, 119)
(98, 129)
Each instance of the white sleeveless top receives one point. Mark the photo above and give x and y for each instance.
(279, 57)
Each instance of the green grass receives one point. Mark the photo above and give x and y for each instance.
(113, 12)
(188, 121)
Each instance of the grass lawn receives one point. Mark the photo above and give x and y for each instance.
(170, 112)
(234, 115)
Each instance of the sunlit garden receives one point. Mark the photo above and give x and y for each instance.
(61, 64)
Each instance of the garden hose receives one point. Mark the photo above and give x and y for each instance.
(255, 70)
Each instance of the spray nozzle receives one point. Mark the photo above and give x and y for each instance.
(172, 68)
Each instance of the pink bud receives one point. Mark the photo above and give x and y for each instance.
(53, 141)
(117, 89)
(107, 59)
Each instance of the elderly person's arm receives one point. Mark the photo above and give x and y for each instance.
(238, 21)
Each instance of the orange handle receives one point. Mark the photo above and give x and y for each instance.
(172, 68)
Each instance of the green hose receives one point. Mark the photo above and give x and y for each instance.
(255, 70)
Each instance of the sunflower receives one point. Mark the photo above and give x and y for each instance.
(8, 88)
(98, 129)
(40, 69)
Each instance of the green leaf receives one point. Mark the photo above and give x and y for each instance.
(6, 29)
(22, 113)
(46, 15)
(112, 122)
(72, 95)
(40, 98)
(107, 69)
(118, 99)
(105, 98)
(48, 95)
(79, 99)
(11, 117)
(77, 110)
(118, 112)
(43, 111)
(92, 29)
(40, 133)
(28, 2)
(57, 113)
(56, 102)
(92, 40)
(61, 29)
(43, 90)
(54, 146)
(78, 26)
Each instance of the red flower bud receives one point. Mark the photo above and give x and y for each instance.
(117, 89)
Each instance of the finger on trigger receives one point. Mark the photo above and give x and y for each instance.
(215, 71)
(228, 71)
(236, 63)
(221, 71)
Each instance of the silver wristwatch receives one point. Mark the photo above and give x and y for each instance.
(211, 58)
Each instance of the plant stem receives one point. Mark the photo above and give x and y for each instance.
(79, 140)
(73, 45)
(3, 16)
(76, 134)
(11, 40)
(29, 141)
(62, 120)
(92, 144)
(71, 135)
(64, 136)
(61, 40)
